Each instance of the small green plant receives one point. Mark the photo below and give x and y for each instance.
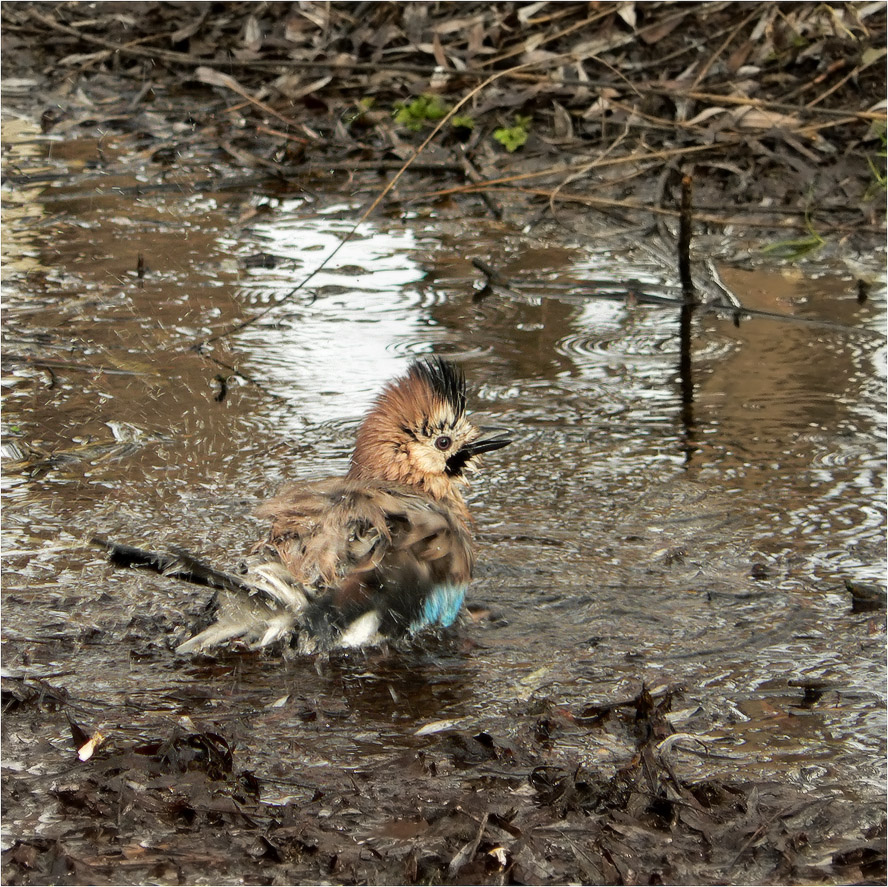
(363, 106)
(878, 174)
(414, 114)
(513, 137)
(877, 168)
(797, 247)
(462, 121)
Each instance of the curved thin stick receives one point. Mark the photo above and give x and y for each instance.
(380, 197)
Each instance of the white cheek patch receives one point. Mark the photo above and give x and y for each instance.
(425, 459)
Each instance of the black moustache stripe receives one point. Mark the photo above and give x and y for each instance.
(457, 462)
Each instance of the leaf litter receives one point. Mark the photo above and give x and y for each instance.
(461, 807)
(778, 110)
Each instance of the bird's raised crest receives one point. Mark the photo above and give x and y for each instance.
(417, 430)
(445, 379)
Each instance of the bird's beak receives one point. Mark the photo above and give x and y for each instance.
(485, 446)
(458, 461)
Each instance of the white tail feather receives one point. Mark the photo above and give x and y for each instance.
(258, 618)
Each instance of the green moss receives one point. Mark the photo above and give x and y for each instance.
(513, 137)
(413, 115)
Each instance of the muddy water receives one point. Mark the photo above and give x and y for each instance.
(648, 525)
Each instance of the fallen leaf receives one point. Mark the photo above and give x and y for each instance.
(88, 749)
(626, 11)
(705, 115)
(253, 34)
(756, 118)
(437, 726)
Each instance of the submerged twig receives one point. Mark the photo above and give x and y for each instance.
(685, 224)
(732, 300)
(492, 275)
(494, 279)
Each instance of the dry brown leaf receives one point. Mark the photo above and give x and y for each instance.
(602, 104)
(626, 11)
(581, 93)
(705, 115)
(539, 57)
(562, 124)
(287, 84)
(459, 25)
(84, 58)
(191, 28)
(294, 27)
(528, 12)
(738, 57)
(438, 51)
(756, 118)
(764, 26)
(534, 42)
(212, 77)
(252, 34)
(656, 32)
(293, 87)
(476, 39)
(600, 45)
(316, 13)
(87, 750)
(870, 55)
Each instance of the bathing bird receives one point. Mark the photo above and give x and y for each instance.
(376, 555)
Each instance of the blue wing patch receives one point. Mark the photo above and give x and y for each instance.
(441, 606)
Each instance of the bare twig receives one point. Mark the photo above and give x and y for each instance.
(685, 221)
(652, 155)
(704, 70)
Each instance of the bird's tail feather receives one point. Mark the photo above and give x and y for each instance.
(260, 607)
(178, 564)
(271, 611)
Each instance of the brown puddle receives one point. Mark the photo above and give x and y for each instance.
(627, 538)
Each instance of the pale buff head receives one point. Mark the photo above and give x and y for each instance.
(418, 434)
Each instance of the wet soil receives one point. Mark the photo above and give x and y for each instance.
(672, 669)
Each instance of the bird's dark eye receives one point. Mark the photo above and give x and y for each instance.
(443, 442)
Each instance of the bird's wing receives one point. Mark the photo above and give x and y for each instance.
(327, 530)
(324, 530)
(345, 564)
(382, 560)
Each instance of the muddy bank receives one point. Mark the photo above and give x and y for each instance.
(596, 112)
(458, 807)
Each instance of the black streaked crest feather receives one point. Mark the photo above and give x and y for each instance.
(445, 379)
